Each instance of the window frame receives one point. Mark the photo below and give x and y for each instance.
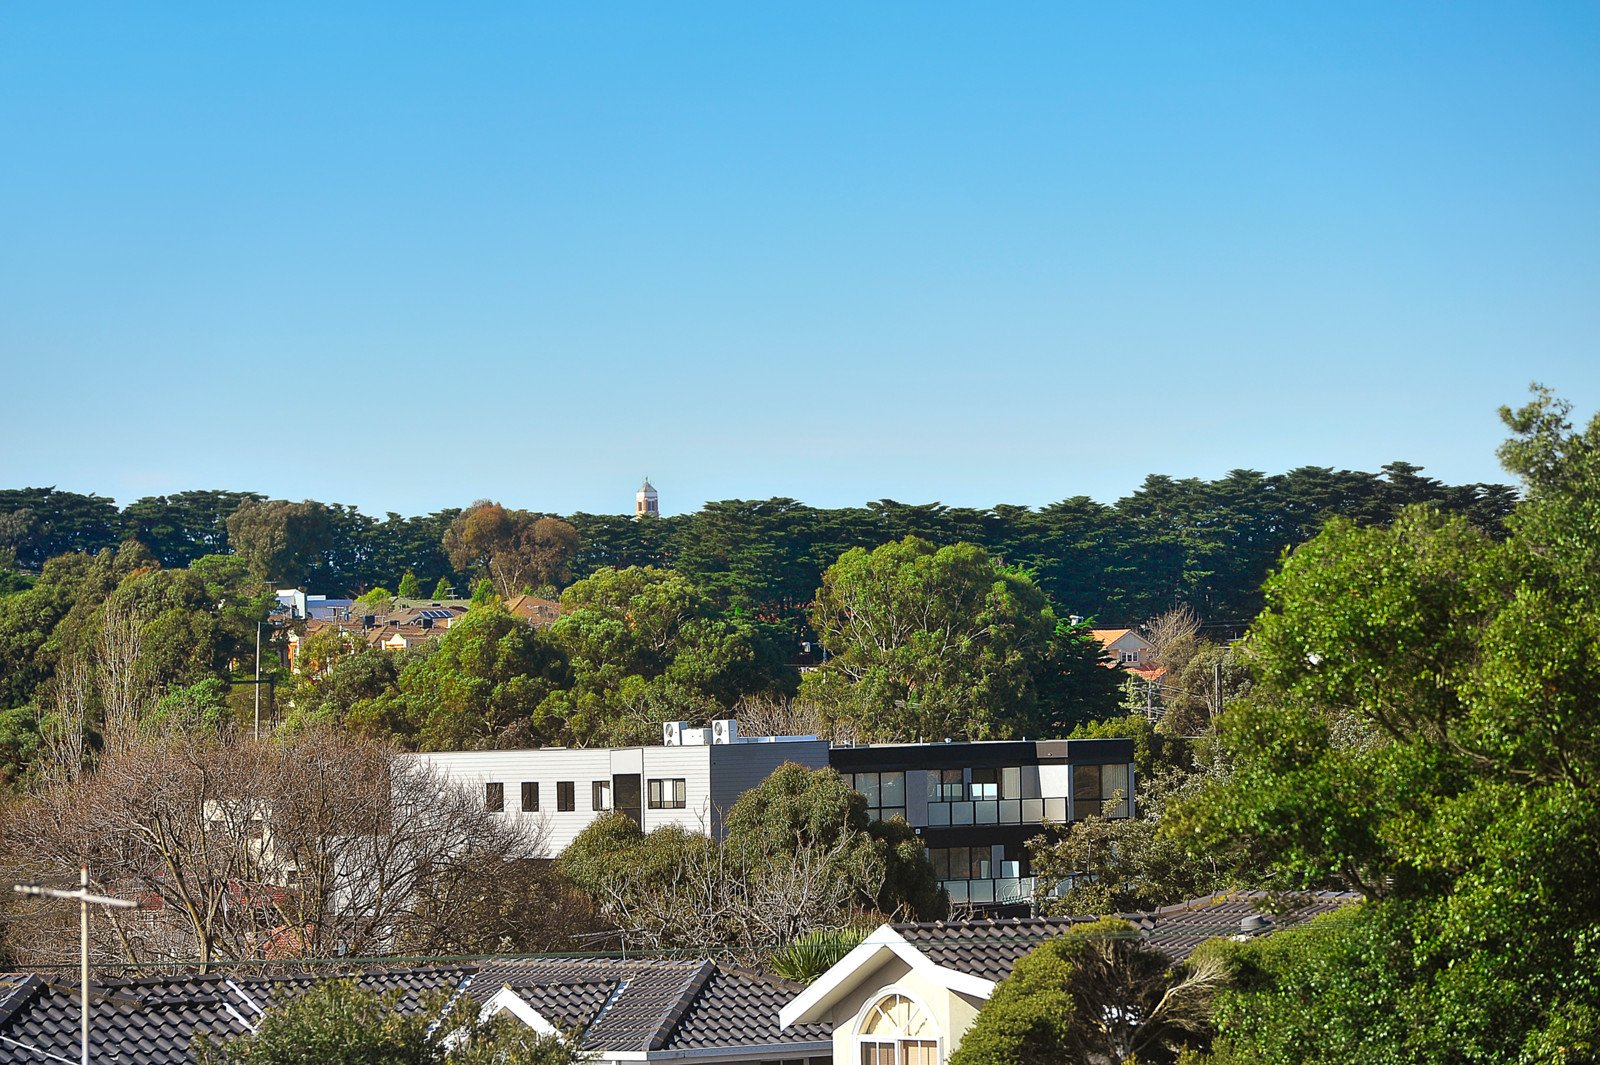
(566, 796)
(530, 790)
(494, 796)
(667, 793)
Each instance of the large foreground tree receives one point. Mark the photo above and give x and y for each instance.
(1426, 730)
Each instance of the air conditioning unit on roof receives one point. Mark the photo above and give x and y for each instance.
(724, 731)
(672, 733)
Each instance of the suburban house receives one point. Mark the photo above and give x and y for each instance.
(1126, 647)
(975, 805)
(540, 613)
(909, 992)
(625, 1010)
(692, 780)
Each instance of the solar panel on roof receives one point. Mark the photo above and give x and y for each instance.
(436, 614)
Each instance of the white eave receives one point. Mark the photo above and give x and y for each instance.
(812, 1004)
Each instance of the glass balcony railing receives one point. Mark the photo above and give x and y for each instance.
(998, 891)
(997, 812)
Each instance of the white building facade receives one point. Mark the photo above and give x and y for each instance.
(692, 781)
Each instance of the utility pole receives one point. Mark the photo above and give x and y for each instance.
(258, 680)
(84, 900)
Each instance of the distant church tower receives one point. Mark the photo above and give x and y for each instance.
(646, 502)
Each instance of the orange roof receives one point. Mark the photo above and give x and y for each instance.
(1109, 636)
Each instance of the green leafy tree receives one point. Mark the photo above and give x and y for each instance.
(337, 1022)
(444, 589)
(410, 587)
(1425, 728)
(1096, 993)
(515, 549)
(478, 686)
(798, 856)
(282, 542)
(645, 646)
(931, 642)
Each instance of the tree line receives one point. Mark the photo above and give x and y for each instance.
(1205, 543)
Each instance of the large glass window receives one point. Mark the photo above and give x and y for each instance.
(600, 795)
(885, 793)
(566, 796)
(961, 863)
(1100, 790)
(670, 794)
(530, 796)
(494, 798)
(946, 785)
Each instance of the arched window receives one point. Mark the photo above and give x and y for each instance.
(896, 1031)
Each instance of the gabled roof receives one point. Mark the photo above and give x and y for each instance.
(652, 1005)
(1111, 636)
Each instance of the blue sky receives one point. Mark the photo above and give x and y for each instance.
(407, 256)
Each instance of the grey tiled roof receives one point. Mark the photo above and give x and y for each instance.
(154, 1022)
(746, 1003)
(989, 948)
(641, 1005)
(621, 1005)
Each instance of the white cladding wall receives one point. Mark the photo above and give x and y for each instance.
(714, 777)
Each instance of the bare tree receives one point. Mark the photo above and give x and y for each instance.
(239, 849)
(775, 715)
(117, 673)
(1172, 637)
(63, 733)
(713, 899)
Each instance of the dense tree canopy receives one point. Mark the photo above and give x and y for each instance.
(929, 642)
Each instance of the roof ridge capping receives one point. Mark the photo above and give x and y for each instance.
(691, 991)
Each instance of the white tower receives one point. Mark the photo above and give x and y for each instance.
(646, 502)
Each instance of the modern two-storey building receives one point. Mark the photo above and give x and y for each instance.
(975, 804)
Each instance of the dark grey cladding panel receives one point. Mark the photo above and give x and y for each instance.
(979, 835)
(1084, 752)
(880, 757)
(988, 755)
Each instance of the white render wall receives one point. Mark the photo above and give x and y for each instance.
(708, 791)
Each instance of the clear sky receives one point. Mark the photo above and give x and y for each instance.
(407, 256)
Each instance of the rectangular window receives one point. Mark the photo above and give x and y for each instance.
(494, 797)
(985, 784)
(946, 785)
(1100, 790)
(600, 795)
(530, 796)
(885, 793)
(961, 863)
(670, 794)
(566, 796)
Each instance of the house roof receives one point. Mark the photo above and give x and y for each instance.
(989, 948)
(651, 1005)
(638, 1006)
(532, 608)
(972, 956)
(155, 1021)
